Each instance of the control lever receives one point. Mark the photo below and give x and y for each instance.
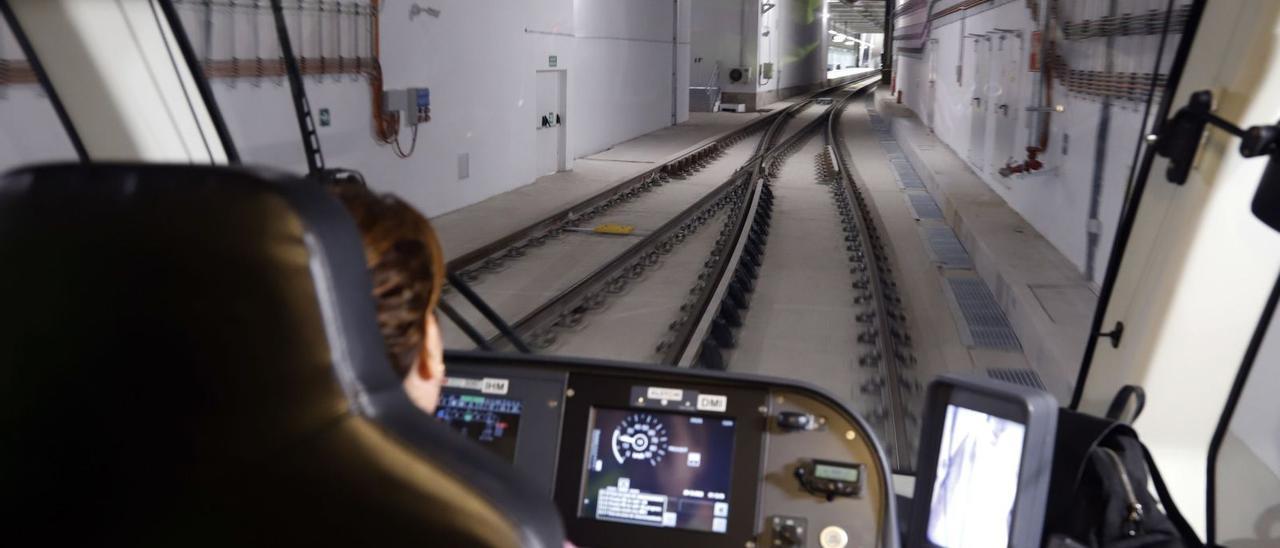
(788, 531)
(790, 535)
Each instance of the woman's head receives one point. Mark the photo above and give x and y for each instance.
(407, 266)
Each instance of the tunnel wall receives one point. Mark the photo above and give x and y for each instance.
(479, 58)
(732, 32)
(935, 69)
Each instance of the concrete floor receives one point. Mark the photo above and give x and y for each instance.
(800, 323)
(471, 227)
(522, 285)
(1047, 300)
(936, 338)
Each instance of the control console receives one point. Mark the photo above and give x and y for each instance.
(645, 456)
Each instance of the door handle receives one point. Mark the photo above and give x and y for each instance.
(1004, 109)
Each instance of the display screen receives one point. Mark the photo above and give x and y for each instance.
(977, 480)
(838, 473)
(658, 469)
(494, 422)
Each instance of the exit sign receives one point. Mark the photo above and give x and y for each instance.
(551, 61)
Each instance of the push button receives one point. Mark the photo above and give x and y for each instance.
(833, 537)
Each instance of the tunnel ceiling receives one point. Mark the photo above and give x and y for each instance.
(863, 16)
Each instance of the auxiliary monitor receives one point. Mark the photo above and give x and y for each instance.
(492, 421)
(986, 453)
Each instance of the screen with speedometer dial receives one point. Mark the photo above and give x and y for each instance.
(658, 469)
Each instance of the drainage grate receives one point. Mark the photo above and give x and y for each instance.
(924, 206)
(906, 174)
(1024, 377)
(982, 317)
(946, 247)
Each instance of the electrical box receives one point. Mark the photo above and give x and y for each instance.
(766, 71)
(412, 104)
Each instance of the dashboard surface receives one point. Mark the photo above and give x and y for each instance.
(642, 455)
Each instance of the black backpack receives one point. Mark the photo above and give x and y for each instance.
(1098, 490)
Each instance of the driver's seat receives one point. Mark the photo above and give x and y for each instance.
(189, 356)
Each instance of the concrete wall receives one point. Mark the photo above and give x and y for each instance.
(731, 32)
(724, 32)
(1058, 201)
(620, 85)
(480, 59)
(795, 46)
(846, 58)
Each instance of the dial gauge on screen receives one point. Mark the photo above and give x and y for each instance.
(640, 437)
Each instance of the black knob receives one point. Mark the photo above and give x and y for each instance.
(790, 420)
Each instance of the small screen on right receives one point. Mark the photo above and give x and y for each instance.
(977, 480)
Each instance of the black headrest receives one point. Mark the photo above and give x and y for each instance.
(189, 355)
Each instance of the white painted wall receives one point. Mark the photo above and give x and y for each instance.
(622, 78)
(479, 58)
(795, 44)
(1056, 201)
(731, 32)
(723, 31)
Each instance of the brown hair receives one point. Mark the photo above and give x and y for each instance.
(406, 263)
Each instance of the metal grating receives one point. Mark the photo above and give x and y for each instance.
(923, 206)
(946, 247)
(906, 174)
(981, 315)
(1024, 377)
(902, 167)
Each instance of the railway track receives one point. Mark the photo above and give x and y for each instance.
(511, 273)
(623, 306)
(876, 336)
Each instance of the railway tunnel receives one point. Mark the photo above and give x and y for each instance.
(860, 195)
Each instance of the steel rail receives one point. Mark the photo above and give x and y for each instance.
(699, 344)
(549, 226)
(691, 341)
(892, 352)
(570, 305)
(687, 345)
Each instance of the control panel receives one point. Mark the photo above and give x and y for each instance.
(641, 456)
(412, 105)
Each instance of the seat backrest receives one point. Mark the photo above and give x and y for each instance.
(189, 355)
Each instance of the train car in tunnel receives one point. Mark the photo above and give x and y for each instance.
(613, 273)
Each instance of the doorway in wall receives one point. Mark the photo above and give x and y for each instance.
(931, 104)
(1006, 98)
(550, 121)
(978, 101)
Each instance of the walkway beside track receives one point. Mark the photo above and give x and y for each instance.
(937, 341)
(1047, 301)
(476, 225)
(520, 286)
